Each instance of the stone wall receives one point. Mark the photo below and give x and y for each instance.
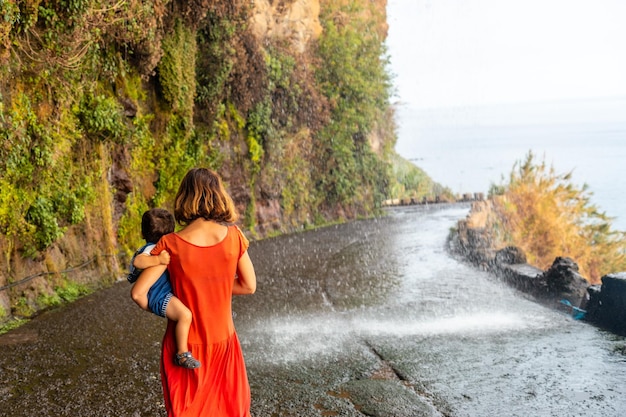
(606, 303)
(560, 286)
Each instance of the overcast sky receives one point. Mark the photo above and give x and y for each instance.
(473, 52)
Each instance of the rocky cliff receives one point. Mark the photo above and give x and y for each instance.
(295, 22)
(105, 105)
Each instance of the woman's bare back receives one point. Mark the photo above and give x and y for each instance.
(202, 232)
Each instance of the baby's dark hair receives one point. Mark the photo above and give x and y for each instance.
(155, 223)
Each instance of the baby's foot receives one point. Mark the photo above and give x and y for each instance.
(186, 360)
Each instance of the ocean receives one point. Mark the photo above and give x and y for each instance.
(469, 149)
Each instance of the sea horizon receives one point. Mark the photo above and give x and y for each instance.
(470, 148)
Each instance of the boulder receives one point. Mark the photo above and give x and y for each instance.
(562, 280)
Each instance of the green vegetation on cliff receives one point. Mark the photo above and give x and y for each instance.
(351, 173)
(104, 105)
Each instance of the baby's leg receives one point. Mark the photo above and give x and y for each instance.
(178, 312)
(139, 290)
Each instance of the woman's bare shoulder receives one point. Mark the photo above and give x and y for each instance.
(204, 233)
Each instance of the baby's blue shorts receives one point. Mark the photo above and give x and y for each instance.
(159, 295)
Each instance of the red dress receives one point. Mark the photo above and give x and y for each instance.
(202, 278)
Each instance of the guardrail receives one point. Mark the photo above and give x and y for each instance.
(40, 274)
(466, 197)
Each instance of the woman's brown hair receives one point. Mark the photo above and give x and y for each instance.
(202, 195)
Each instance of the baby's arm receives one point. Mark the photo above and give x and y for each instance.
(145, 260)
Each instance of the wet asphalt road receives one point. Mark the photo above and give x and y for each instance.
(371, 318)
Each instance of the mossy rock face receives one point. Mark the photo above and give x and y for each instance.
(104, 110)
(385, 398)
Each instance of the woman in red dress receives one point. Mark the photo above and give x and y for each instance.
(209, 263)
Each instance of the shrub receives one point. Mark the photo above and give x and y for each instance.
(41, 214)
(216, 58)
(177, 70)
(102, 118)
(547, 216)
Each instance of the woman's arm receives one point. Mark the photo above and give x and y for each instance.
(245, 282)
